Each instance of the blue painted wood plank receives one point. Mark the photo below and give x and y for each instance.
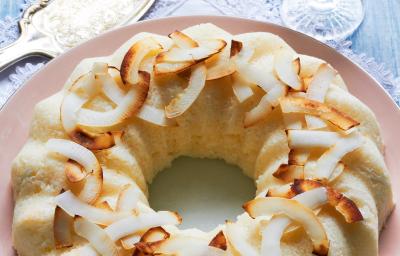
(378, 35)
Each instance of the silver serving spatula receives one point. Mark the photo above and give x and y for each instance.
(51, 27)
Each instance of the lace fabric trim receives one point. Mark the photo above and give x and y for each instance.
(9, 32)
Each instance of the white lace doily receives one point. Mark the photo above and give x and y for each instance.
(11, 81)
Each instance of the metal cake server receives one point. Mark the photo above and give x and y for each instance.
(45, 34)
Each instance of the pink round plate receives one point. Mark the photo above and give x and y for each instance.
(15, 117)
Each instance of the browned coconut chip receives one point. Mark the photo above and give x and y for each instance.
(94, 174)
(130, 73)
(104, 205)
(222, 64)
(282, 191)
(219, 241)
(288, 173)
(72, 102)
(236, 47)
(298, 157)
(62, 228)
(343, 204)
(205, 50)
(182, 40)
(129, 106)
(296, 211)
(184, 100)
(311, 107)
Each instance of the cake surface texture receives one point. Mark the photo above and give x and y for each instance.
(287, 120)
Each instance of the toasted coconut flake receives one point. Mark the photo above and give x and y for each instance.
(234, 233)
(155, 116)
(298, 156)
(281, 191)
(92, 141)
(328, 161)
(220, 65)
(155, 234)
(62, 228)
(83, 156)
(130, 73)
(179, 246)
(74, 171)
(130, 105)
(219, 241)
(343, 205)
(304, 139)
(133, 224)
(236, 47)
(241, 88)
(128, 198)
(287, 173)
(295, 211)
(183, 101)
(104, 205)
(265, 106)
(96, 236)
(73, 206)
(287, 69)
(130, 242)
(182, 40)
(203, 51)
(306, 106)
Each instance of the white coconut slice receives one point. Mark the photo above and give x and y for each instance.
(172, 68)
(265, 106)
(342, 204)
(306, 139)
(288, 173)
(130, 73)
(155, 116)
(298, 156)
(320, 82)
(234, 234)
(94, 179)
(272, 231)
(183, 101)
(130, 105)
(271, 234)
(96, 236)
(133, 224)
(241, 88)
(287, 68)
(328, 161)
(296, 211)
(62, 228)
(129, 242)
(73, 206)
(293, 121)
(128, 198)
(104, 205)
(325, 112)
(74, 171)
(110, 88)
(205, 50)
(182, 40)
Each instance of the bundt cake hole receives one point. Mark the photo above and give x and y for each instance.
(205, 192)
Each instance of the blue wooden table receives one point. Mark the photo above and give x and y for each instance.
(378, 35)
